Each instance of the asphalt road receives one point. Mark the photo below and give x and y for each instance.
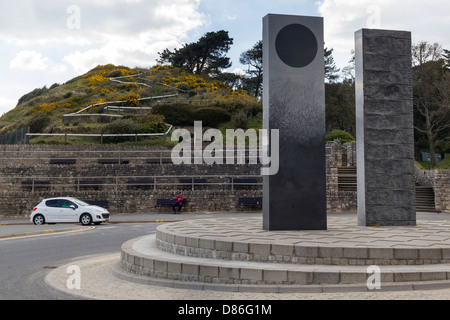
(26, 260)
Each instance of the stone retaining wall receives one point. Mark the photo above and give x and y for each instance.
(442, 190)
(440, 181)
(16, 205)
(22, 162)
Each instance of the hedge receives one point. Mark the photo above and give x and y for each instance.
(339, 135)
(179, 114)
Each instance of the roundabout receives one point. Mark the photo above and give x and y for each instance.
(228, 259)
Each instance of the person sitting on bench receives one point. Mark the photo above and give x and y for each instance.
(179, 201)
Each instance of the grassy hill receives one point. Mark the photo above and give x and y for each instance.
(148, 100)
(444, 164)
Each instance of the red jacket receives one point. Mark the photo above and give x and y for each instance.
(179, 199)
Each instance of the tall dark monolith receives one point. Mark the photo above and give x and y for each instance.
(384, 127)
(294, 103)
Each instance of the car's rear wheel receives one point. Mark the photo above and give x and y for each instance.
(86, 219)
(39, 220)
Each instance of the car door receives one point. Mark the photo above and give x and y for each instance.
(51, 211)
(68, 211)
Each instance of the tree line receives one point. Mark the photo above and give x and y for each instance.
(431, 84)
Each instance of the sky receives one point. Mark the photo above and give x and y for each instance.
(43, 42)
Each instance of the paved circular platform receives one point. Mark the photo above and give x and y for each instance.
(342, 243)
(237, 254)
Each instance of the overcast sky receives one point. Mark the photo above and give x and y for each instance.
(47, 41)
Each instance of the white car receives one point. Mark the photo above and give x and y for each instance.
(56, 210)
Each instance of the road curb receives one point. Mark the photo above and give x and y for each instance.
(46, 232)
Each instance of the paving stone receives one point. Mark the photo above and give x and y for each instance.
(262, 249)
(302, 251)
(209, 271)
(229, 273)
(275, 276)
(353, 277)
(435, 254)
(251, 274)
(300, 277)
(406, 253)
(357, 253)
(326, 277)
(190, 269)
(286, 250)
(174, 267)
(381, 253)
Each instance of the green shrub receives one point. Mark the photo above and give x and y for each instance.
(231, 106)
(33, 94)
(255, 109)
(211, 117)
(38, 123)
(176, 114)
(444, 164)
(180, 114)
(340, 136)
(122, 126)
(153, 123)
(114, 74)
(77, 100)
(240, 120)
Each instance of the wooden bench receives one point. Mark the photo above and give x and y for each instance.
(168, 202)
(245, 181)
(36, 184)
(96, 184)
(164, 202)
(159, 160)
(189, 181)
(112, 161)
(250, 202)
(139, 183)
(63, 161)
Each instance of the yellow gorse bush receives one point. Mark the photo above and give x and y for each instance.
(132, 99)
(47, 108)
(194, 82)
(96, 80)
(97, 101)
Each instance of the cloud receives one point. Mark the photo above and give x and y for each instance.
(118, 53)
(239, 72)
(427, 20)
(6, 105)
(128, 32)
(90, 21)
(29, 60)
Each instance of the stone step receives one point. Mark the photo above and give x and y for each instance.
(347, 246)
(425, 199)
(143, 262)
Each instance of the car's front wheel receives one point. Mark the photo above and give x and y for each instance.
(86, 219)
(39, 219)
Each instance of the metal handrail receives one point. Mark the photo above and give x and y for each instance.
(36, 181)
